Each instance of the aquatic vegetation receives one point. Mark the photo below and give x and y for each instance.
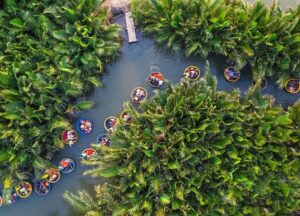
(193, 150)
(265, 37)
(51, 53)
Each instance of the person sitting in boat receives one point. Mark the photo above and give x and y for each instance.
(232, 74)
(66, 164)
(86, 126)
(139, 95)
(87, 154)
(156, 79)
(46, 176)
(51, 175)
(104, 141)
(293, 88)
(126, 117)
(111, 123)
(43, 189)
(71, 137)
(24, 189)
(192, 73)
(293, 85)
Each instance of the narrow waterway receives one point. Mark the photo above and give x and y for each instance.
(127, 72)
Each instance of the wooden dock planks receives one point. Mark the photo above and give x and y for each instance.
(130, 28)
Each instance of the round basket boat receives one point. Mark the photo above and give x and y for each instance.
(263, 83)
(88, 154)
(24, 189)
(155, 79)
(1, 200)
(69, 137)
(103, 140)
(13, 198)
(52, 175)
(111, 123)
(42, 187)
(125, 117)
(292, 86)
(84, 126)
(67, 165)
(231, 74)
(192, 73)
(139, 95)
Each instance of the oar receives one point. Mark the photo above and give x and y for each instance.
(44, 188)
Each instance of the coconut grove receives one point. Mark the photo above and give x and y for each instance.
(191, 149)
(51, 53)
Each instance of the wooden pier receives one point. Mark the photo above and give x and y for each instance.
(130, 28)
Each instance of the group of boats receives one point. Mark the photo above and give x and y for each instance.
(291, 86)
(41, 186)
(85, 126)
(231, 75)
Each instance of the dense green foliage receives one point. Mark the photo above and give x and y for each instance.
(266, 38)
(51, 52)
(192, 150)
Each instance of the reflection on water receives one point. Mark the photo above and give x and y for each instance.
(129, 71)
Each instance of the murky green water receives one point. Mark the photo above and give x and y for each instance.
(129, 71)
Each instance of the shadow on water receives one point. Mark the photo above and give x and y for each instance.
(127, 72)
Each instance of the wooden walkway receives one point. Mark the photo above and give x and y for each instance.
(130, 28)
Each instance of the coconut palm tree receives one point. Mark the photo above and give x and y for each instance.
(266, 38)
(83, 203)
(192, 150)
(51, 53)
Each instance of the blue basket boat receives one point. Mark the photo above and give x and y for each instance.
(67, 165)
(103, 140)
(42, 187)
(84, 126)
